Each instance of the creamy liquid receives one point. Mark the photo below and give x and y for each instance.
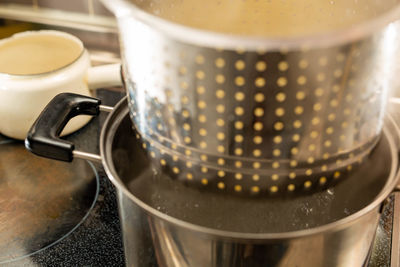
(267, 17)
(37, 53)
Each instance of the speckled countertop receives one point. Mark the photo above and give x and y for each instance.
(98, 242)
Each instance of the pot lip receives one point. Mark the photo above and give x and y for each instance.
(121, 110)
(195, 36)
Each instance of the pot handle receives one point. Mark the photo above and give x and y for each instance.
(105, 76)
(43, 138)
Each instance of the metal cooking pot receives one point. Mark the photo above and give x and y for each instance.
(165, 223)
(258, 97)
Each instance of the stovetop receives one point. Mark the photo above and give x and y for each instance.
(97, 240)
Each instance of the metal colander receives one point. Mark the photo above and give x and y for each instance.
(250, 114)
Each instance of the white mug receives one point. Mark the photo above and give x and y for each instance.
(23, 97)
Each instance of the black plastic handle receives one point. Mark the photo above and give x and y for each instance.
(44, 136)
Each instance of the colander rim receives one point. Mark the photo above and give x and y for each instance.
(199, 37)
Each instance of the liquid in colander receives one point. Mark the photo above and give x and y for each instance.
(280, 18)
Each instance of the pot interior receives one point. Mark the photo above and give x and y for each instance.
(133, 170)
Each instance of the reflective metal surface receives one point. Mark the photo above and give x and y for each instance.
(246, 115)
(162, 225)
(395, 249)
(41, 201)
(381, 248)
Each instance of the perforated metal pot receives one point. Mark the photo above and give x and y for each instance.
(257, 114)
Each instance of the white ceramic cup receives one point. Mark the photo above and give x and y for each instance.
(23, 97)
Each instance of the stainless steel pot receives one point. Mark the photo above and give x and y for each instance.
(165, 223)
(229, 97)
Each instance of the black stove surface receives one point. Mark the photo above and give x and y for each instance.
(97, 241)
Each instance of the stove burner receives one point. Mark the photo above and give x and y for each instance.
(41, 201)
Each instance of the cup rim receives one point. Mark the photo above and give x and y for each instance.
(44, 32)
